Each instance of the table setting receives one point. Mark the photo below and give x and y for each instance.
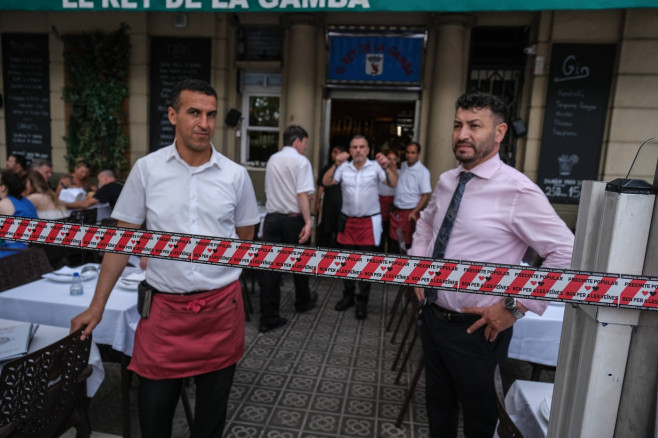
(49, 301)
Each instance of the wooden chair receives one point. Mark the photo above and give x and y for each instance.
(43, 394)
(506, 426)
(24, 266)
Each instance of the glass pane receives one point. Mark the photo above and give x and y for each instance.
(264, 111)
(261, 145)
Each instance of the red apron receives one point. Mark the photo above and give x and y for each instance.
(385, 206)
(400, 219)
(188, 335)
(358, 231)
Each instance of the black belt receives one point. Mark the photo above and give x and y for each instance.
(155, 291)
(285, 214)
(446, 315)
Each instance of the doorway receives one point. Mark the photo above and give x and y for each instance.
(388, 122)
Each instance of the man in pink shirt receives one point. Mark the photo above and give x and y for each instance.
(500, 214)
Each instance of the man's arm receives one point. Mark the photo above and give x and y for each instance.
(318, 201)
(85, 203)
(246, 232)
(421, 204)
(305, 208)
(111, 268)
(328, 178)
(391, 171)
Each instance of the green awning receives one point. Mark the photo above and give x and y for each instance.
(317, 5)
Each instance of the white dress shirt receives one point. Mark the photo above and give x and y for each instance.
(413, 183)
(210, 200)
(288, 173)
(360, 188)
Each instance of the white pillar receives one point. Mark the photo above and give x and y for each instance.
(300, 70)
(593, 370)
(452, 36)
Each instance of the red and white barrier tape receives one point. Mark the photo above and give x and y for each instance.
(602, 289)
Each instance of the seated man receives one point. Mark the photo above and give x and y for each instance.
(108, 192)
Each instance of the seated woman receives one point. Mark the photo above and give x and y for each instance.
(12, 203)
(78, 179)
(43, 197)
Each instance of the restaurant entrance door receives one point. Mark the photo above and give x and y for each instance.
(388, 120)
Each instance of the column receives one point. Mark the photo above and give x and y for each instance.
(451, 36)
(299, 93)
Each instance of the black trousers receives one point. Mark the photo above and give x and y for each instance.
(281, 228)
(459, 370)
(157, 401)
(350, 285)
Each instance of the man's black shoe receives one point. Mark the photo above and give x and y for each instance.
(361, 309)
(274, 325)
(344, 303)
(312, 300)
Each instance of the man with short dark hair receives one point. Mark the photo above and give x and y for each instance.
(288, 187)
(482, 211)
(411, 194)
(196, 323)
(361, 228)
(17, 163)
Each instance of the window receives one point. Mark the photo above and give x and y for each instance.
(261, 103)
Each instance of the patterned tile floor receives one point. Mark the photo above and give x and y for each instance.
(324, 374)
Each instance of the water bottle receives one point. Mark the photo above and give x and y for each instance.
(76, 285)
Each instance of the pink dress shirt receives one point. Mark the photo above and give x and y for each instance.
(501, 214)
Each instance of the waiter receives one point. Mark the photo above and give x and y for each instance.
(196, 321)
(361, 221)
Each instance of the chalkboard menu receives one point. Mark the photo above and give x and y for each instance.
(25, 72)
(579, 81)
(172, 60)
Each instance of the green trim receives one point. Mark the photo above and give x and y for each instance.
(234, 6)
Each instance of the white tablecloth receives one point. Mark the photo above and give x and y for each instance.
(47, 334)
(537, 338)
(49, 302)
(524, 404)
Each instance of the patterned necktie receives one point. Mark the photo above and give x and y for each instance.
(446, 226)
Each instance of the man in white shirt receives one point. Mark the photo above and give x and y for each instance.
(196, 322)
(411, 194)
(361, 226)
(288, 187)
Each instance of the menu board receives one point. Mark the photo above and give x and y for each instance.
(579, 81)
(26, 76)
(172, 60)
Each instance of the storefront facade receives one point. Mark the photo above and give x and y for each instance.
(582, 84)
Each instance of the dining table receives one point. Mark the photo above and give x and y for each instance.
(536, 339)
(528, 403)
(48, 334)
(48, 301)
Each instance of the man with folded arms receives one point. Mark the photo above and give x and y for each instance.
(196, 323)
(361, 227)
(482, 211)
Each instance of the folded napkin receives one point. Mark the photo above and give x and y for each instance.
(65, 273)
(136, 276)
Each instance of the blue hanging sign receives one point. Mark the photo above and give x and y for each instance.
(376, 59)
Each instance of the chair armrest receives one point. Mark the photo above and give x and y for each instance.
(7, 429)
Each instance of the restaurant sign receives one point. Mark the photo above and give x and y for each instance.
(315, 5)
(376, 59)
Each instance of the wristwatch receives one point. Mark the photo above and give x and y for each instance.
(510, 304)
